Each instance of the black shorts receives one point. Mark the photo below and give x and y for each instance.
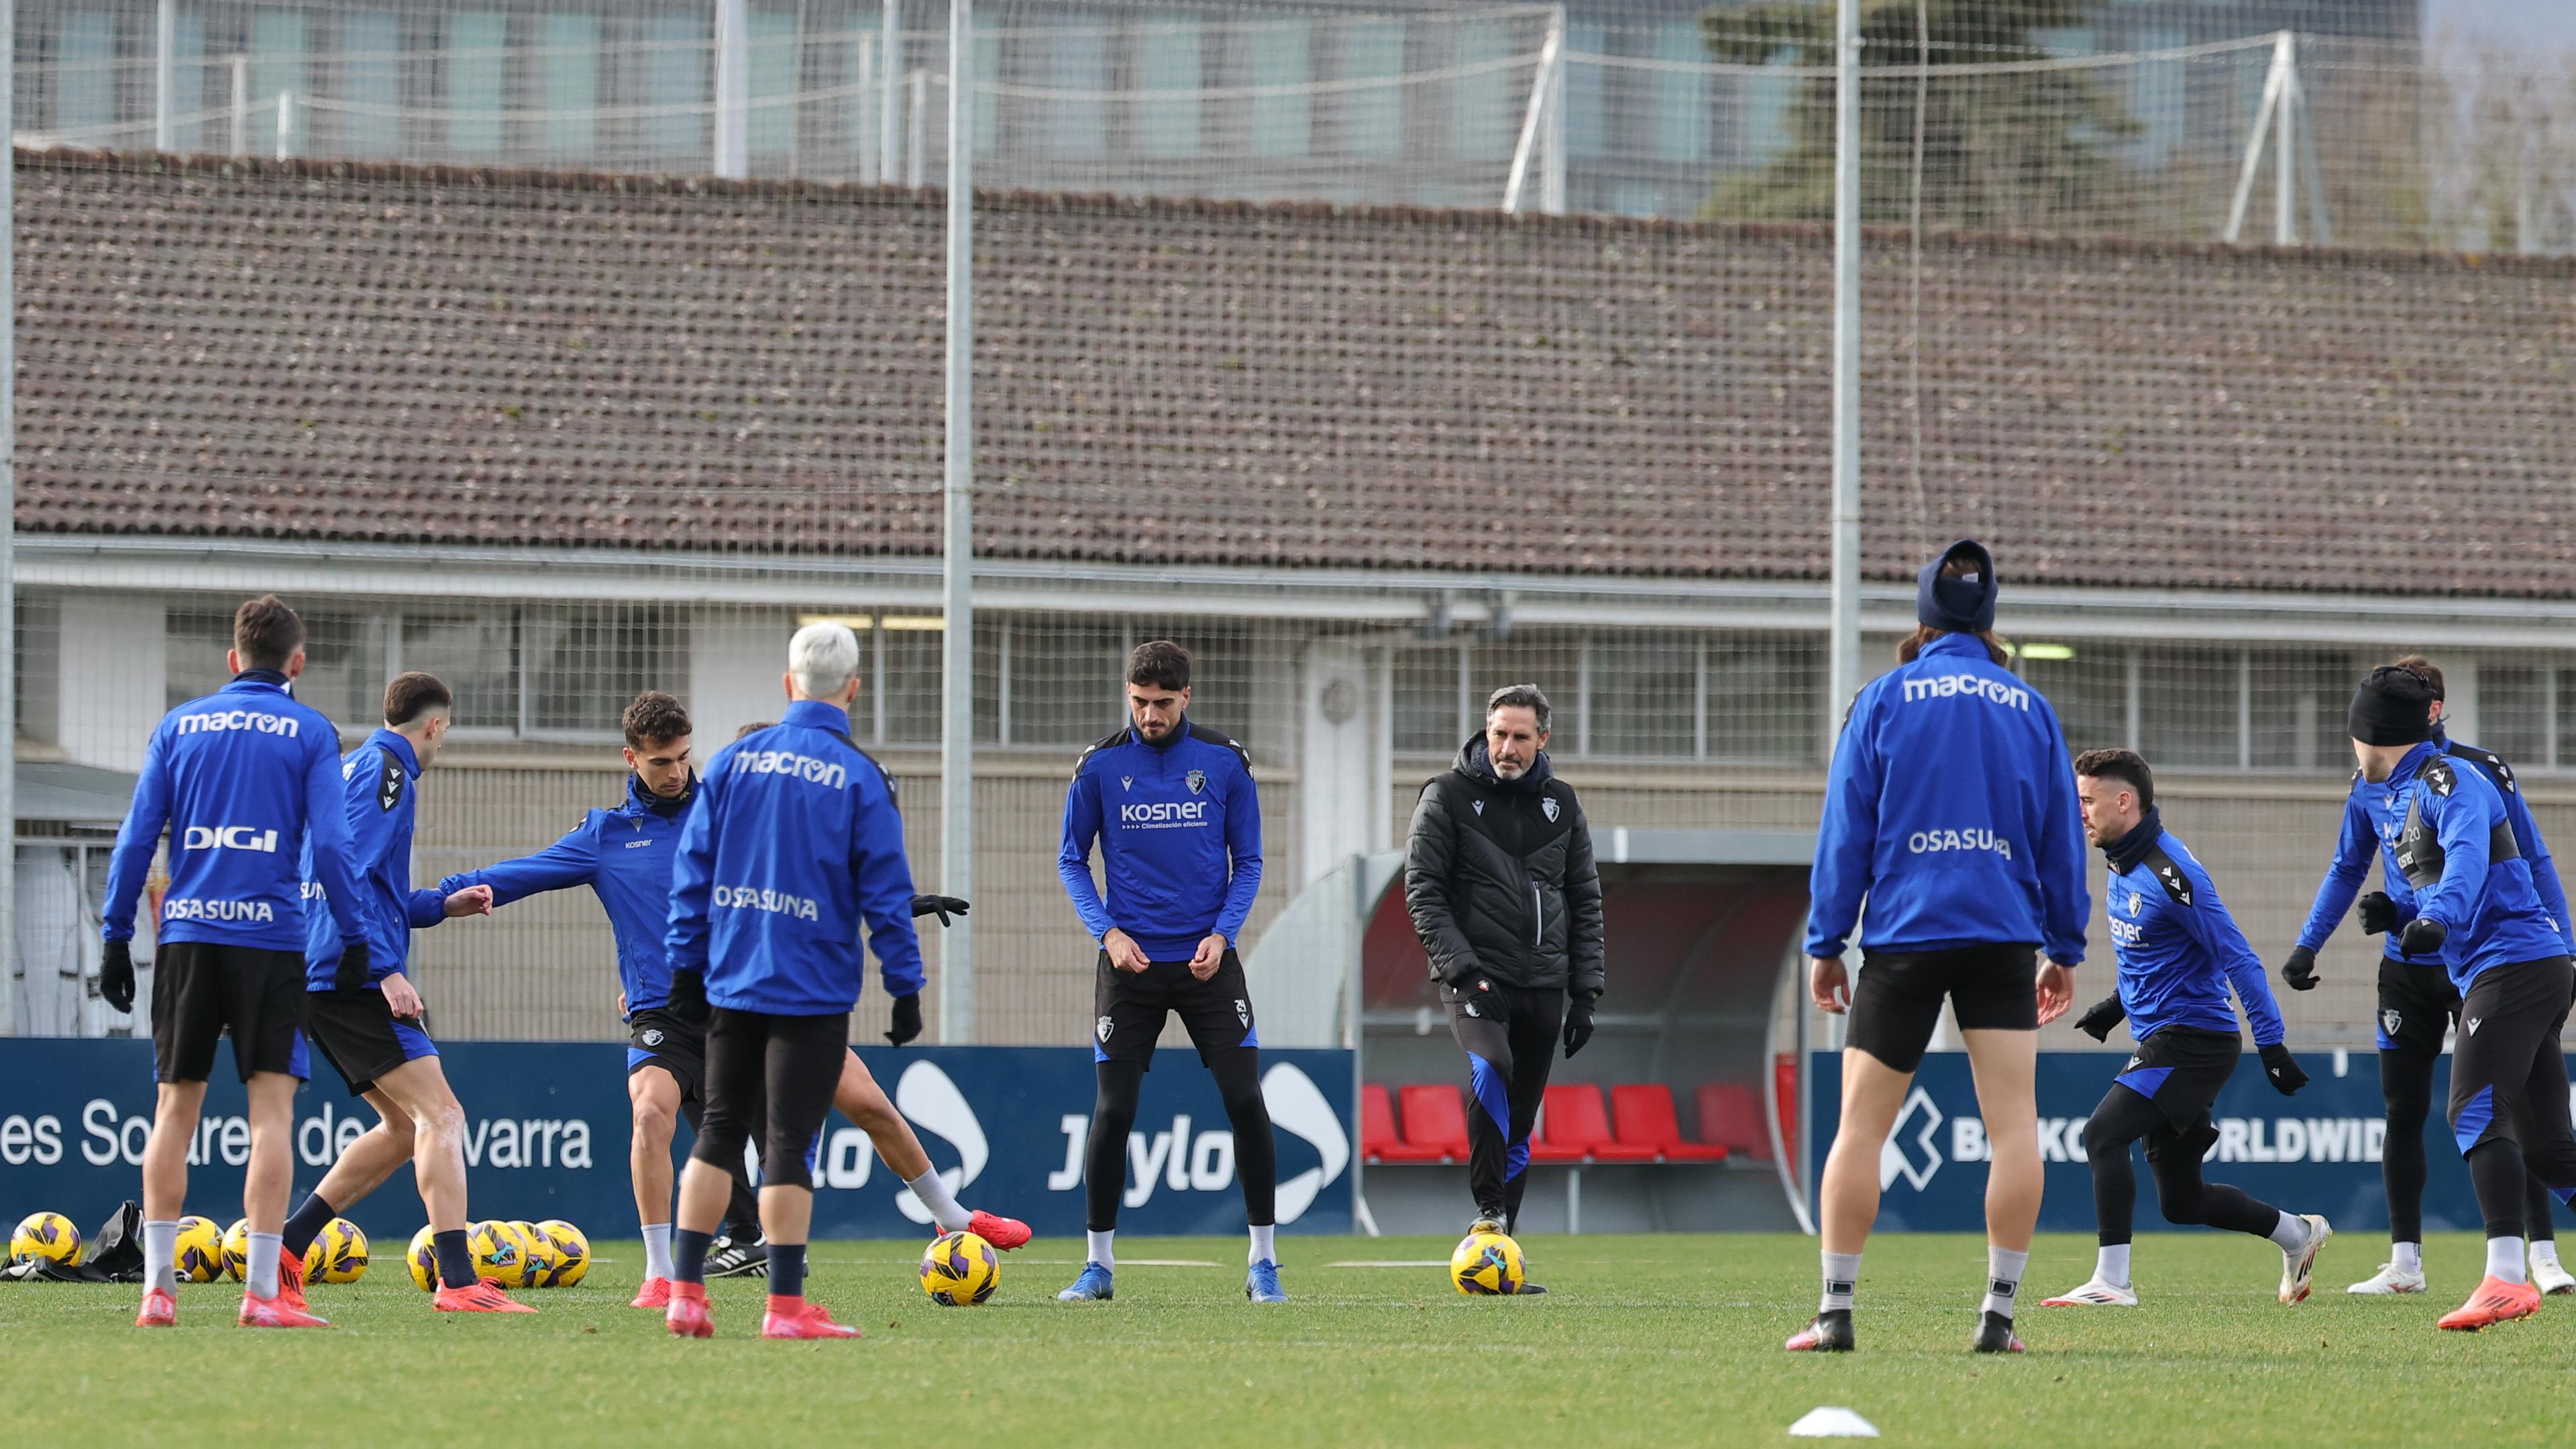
(2512, 1014)
(200, 990)
(362, 1038)
(2417, 1004)
(1133, 1005)
(2181, 1070)
(656, 1038)
(771, 1079)
(1897, 1001)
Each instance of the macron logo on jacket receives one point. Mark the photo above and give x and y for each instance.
(1950, 686)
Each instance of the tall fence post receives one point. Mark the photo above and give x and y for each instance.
(1846, 361)
(285, 125)
(1550, 54)
(1551, 189)
(9, 527)
(241, 107)
(916, 150)
(889, 100)
(165, 76)
(2285, 164)
(2276, 86)
(732, 138)
(957, 642)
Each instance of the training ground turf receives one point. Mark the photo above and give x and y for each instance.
(1643, 1340)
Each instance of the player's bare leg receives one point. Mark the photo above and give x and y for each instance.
(419, 1094)
(1847, 1197)
(265, 1303)
(175, 1109)
(2005, 1064)
(655, 1096)
(860, 1099)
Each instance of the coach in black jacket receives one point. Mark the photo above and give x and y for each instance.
(1499, 880)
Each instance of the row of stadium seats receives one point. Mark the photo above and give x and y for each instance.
(1640, 1126)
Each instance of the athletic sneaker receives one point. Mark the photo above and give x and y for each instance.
(2297, 1268)
(799, 1318)
(2552, 1279)
(1092, 1287)
(1995, 1335)
(687, 1316)
(1261, 1283)
(2095, 1293)
(1485, 1223)
(159, 1310)
(1003, 1233)
(2391, 1279)
(1828, 1332)
(1526, 1289)
(290, 1280)
(2496, 1301)
(483, 1296)
(656, 1293)
(258, 1312)
(729, 1258)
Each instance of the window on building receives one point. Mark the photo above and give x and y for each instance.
(1645, 695)
(475, 653)
(344, 661)
(1550, 659)
(2187, 702)
(771, 63)
(1587, 133)
(568, 73)
(85, 80)
(1681, 127)
(1077, 122)
(676, 63)
(1064, 687)
(1765, 697)
(1429, 715)
(2299, 706)
(584, 663)
(1484, 123)
(2088, 685)
(370, 77)
(1275, 56)
(474, 69)
(1168, 64)
(1372, 116)
(277, 66)
(905, 655)
(2514, 714)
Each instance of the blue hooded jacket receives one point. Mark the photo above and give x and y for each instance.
(379, 797)
(2177, 946)
(1951, 809)
(1179, 829)
(248, 781)
(794, 841)
(625, 856)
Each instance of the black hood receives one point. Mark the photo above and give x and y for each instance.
(1474, 763)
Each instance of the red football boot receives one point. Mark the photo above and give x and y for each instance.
(2496, 1301)
(159, 1310)
(1002, 1233)
(258, 1312)
(687, 1315)
(801, 1318)
(290, 1280)
(484, 1296)
(656, 1293)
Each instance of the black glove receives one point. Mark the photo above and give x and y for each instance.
(116, 975)
(941, 906)
(907, 1017)
(1478, 996)
(689, 998)
(2301, 969)
(2283, 1070)
(2104, 1015)
(352, 974)
(1578, 1025)
(2378, 913)
(2423, 936)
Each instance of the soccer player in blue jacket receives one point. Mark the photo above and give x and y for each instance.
(369, 1021)
(1173, 809)
(245, 779)
(2179, 951)
(1951, 810)
(2417, 1002)
(2445, 831)
(795, 840)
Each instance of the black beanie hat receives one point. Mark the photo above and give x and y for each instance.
(1964, 604)
(2393, 707)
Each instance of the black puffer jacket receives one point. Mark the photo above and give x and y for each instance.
(1499, 879)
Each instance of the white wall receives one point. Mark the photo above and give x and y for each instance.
(735, 658)
(111, 690)
(1346, 760)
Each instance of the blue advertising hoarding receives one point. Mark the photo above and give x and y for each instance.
(2317, 1152)
(547, 1135)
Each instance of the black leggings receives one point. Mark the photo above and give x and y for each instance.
(1256, 1156)
(790, 1064)
(2406, 1085)
(1507, 1064)
(742, 1209)
(2125, 1117)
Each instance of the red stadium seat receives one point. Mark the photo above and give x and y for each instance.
(1435, 1121)
(1730, 1116)
(1576, 1124)
(1643, 1112)
(1378, 1140)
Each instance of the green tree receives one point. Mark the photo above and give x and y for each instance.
(2019, 150)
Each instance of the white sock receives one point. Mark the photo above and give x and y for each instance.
(657, 1251)
(1262, 1252)
(161, 1256)
(264, 1251)
(2003, 1278)
(2544, 1253)
(2290, 1234)
(2111, 1265)
(933, 1191)
(2504, 1260)
(1841, 1271)
(1096, 1248)
(2409, 1256)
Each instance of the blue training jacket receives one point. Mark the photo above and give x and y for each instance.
(1950, 808)
(795, 839)
(379, 799)
(2444, 831)
(1179, 829)
(624, 855)
(247, 780)
(2178, 948)
(2358, 844)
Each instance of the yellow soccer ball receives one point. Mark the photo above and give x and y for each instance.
(237, 1250)
(423, 1258)
(1486, 1263)
(499, 1254)
(200, 1254)
(959, 1270)
(542, 1257)
(46, 1235)
(338, 1254)
(572, 1252)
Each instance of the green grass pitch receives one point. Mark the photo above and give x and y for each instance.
(1643, 1341)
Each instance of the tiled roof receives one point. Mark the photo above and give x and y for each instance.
(321, 350)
